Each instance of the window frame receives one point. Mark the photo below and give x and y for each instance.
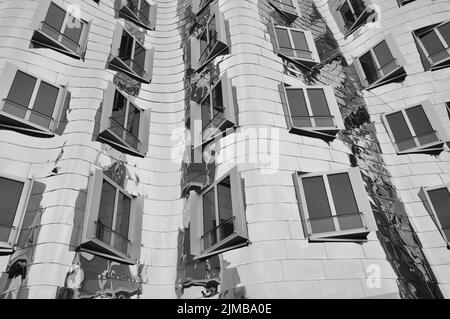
(424, 196)
(359, 21)
(89, 241)
(9, 247)
(40, 38)
(239, 238)
(107, 135)
(21, 124)
(315, 59)
(442, 63)
(361, 199)
(198, 6)
(127, 13)
(117, 64)
(433, 119)
(292, 12)
(328, 133)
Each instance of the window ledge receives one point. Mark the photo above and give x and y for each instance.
(14, 123)
(353, 235)
(99, 248)
(219, 247)
(308, 63)
(117, 64)
(109, 137)
(327, 134)
(6, 248)
(429, 149)
(40, 38)
(445, 63)
(289, 12)
(126, 13)
(396, 75)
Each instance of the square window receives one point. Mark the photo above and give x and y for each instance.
(140, 12)
(415, 129)
(30, 104)
(434, 45)
(334, 205)
(353, 14)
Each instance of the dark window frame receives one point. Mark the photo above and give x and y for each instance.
(445, 62)
(132, 13)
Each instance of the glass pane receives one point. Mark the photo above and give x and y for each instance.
(385, 58)
(212, 32)
(55, 18)
(134, 6)
(445, 33)
(284, 43)
(122, 223)
(320, 109)
(73, 33)
(317, 202)
(144, 11)
(422, 127)
(118, 114)
(299, 39)
(434, 46)
(10, 193)
(206, 112)
(369, 67)
(400, 130)
(358, 7)
(209, 219)
(139, 59)
(345, 202)
(217, 98)
(347, 16)
(126, 48)
(106, 213)
(44, 105)
(204, 44)
(21, 91)
(134, 118)
(226, 227)
(297, 106)
(440, 199)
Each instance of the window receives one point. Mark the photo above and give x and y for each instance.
(286, 7)
(437, 202)
(212, 41)
(355, 14)
(218, 217)
(382, 64)
(139, 12)
(311, 111)
(14, 195)
(113, 221)
(334, 205)
(404, 2)
(415, 129)
(131, 57)
(29, 104)
(199, 5)
(295, 44)
(214, 112)
(434, 45)
(124, 125)
(58, 29)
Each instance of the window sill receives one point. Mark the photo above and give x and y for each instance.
(118, 143)
(232, 242)
(99, 248)
(127, 14)
(353, 235)
(289, 12)
(445, 63)
(41, 39)
(308, 63)
(14, 123)
(218, 50)
(428, 149)
(396, 75)
(327, 134)
(6, 249)
(117, 64)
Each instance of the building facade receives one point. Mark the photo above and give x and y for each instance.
(224, 149)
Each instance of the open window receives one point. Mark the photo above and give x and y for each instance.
(296, 45)
(199, 5)
(437, 202)
(212, 42)
(353, 14)
(381, 65)
(113, 221)
(218, 221)
(433, 43)
(415, 129)
(140, 12)
(286, 7)
(214, 113)
(57, 28)
(28, 103)
(14, 196)
(129, 56)
(334, 206)
(311, 111)
(124, 125)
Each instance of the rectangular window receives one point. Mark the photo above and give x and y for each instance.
(415, 129)
(139, 12)
(354, 14)
(124, 125)
(311, 111)
(218, 220)
(296, 44)
(30, 104)
(334, 205)
(437, 201)
(113, 222)
(14, 195)
(58, 29)
(286, 7)
(434, 44)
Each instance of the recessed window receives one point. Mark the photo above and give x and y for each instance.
(58, 29)
(415, 129)
(311, 111)
(297, 45)
(113, 221)
(139, 12)
(30, 104)
(14, 195)
(124, 125)
(334, 205)
(218, 220)
(354, 14)
(214, 112)
(286, 7)
(437, 201)
(381, 64)
(199, 5)
(129, 56)
(211, 42)
(434, 45)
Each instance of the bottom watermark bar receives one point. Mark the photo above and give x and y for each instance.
(225, 309)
